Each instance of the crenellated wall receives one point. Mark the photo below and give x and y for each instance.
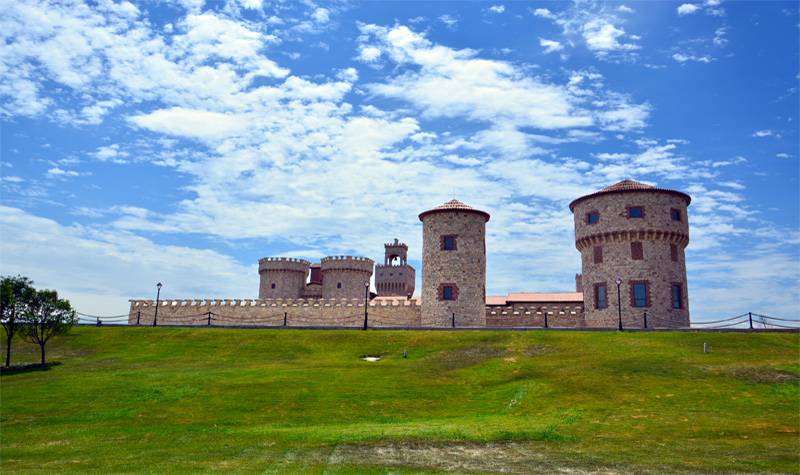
(331, 312)
(271, 312)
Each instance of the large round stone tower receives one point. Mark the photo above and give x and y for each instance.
(636, 233)
(454, 265)
(282, 277)
(343, 277)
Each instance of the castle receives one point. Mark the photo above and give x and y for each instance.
(631, 238)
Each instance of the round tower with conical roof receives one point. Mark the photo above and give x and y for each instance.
(632, 236)
(453, 265)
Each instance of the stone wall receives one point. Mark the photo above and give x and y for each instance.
(271, 312)
(558, 316)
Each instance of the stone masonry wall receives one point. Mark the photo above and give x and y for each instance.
(609, 241)
(271, 312)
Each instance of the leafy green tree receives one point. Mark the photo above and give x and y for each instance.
(12, 307)
(47, 316)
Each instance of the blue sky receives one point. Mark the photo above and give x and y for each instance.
(179, 142)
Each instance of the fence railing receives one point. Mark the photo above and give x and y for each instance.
(746, 321)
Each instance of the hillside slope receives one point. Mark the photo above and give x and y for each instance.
(179, 400)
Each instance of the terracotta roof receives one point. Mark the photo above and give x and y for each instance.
(627, 186)
(545, 297)
(491, 300)
(454, 205)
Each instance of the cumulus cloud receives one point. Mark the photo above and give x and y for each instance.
(497, 9)
(550, 45)
(687, 9)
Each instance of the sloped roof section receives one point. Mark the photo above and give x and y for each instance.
(630, 186)
(454, 205)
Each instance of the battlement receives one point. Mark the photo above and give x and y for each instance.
(290, 264)
(203, 304)
(353, 263)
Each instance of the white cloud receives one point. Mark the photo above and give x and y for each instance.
(138, 264)
(550, 45)
(449, 21)
(682, 58)
(762, 133)
(601, 35)
(544, 13)
(687, 9)
(497, 9)
(193, 123)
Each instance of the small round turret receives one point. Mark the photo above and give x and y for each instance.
(282, 277)
(343, 277)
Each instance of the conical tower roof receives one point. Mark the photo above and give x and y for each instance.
(453, 206)
(630, 186)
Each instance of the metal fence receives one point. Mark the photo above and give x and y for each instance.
(746, 321)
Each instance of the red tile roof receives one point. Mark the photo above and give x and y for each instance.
(537, 297)
(627, 186)
(454, 205)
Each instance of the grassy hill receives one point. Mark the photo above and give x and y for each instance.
(176, 400)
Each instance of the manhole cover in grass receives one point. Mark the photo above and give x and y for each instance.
(370, 358)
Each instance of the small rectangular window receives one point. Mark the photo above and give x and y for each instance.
(676, 214)
(637, 253)
(448, 243)
(640, 295)
(673, 252)
(447, 293)
(598, 254)
(592, 217)
(600, 296)
(676, 296)
(635, 212)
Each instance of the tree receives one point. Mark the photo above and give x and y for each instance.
(46, 316)
(12, 307)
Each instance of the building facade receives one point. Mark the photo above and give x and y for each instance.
(395, 277)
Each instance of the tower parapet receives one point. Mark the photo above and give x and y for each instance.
(344, 276)
(454, 265)
(636, 233)
(282, 277)
(395, 277)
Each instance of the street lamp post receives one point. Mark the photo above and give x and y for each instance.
(619, 302)
(366, 303)
(158, 295)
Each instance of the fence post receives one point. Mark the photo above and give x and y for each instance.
(284, 318)
(750, 314)
(209, 318)
(645, 319)
(545, 319)
(138, 314)
(454, 320)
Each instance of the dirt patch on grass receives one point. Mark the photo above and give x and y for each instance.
(508, 457)
(765, 375)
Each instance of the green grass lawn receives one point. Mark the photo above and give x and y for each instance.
(177, 400)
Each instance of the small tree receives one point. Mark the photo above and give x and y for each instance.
(47, 316)
(12, 307)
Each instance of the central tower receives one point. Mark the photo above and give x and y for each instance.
(453, 265)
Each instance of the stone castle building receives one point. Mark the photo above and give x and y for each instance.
(635, 233)
(631, 238)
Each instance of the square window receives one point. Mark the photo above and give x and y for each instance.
(640, 295)
(635, 212)
(676, 214)
(447, 293)
(448, 243)
(600, 296)
(592, 217)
